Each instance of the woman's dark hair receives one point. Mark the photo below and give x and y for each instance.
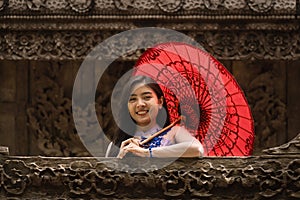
(127, 126)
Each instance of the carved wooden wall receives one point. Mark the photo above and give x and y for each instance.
(42, 44)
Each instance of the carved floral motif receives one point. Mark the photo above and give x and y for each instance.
(17, 5)
(191, 4)
(3, 3)
(170, 5)
(279, 44)
(251, 45)
(57, 5)
(145, 4)
(213, 4)
(22, 44)
(225, 45)
(261, 5)
(288, 5)
(261, 45)
(81, 6)
(167, 6)
(230, 5)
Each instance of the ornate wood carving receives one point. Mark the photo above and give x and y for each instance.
(254, 32)
(268, 104)
(290, 148)
(152, 7)
(50, 116)
(225, 44)
(50, 111)
(258, 177)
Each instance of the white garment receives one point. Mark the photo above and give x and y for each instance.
(149, 132)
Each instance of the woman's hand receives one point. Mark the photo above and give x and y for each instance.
(132, 145)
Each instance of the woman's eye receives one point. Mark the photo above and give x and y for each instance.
(132, 99)
(147, 97)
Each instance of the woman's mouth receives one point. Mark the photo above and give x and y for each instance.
(142, 112)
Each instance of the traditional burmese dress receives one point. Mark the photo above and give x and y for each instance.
(164, 139)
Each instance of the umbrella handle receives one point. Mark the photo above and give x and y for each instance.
(181, 118)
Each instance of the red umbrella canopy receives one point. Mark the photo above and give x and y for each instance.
(200, 88)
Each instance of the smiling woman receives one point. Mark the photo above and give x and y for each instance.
(142, 114)
(143, 106)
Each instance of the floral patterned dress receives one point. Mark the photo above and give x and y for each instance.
(166, 138)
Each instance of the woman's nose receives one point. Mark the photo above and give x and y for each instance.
(140, 102)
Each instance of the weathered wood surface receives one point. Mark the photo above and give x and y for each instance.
(273, 175)
(4, 150)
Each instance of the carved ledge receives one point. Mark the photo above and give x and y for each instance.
(212, 178)
(290, 148)
(276, 176)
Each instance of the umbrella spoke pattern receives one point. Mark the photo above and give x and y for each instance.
(200, 88)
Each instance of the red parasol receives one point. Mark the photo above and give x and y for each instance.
(200, 88)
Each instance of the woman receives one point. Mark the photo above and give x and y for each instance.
(144, 113)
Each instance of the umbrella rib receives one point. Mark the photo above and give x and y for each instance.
(179, 57)
(190, 61)
(168, 78)
(214, 122)
(216, 77)
(236, 93)
(206, 102)
(240, 127)
(150, 75)
(203, 96)
(219, 130)
(237, 125)
(165, 53)
(235, 143)
(236, 132)
(208, 70)
(206, 78)
(214, 116)
(200, 76)
(229, 81)
(233, 106)
(171, 61)
(213, 148)
(200, 94)
(225, 144)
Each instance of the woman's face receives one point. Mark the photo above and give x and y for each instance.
(143, 105)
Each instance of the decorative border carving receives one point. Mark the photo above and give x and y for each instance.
(68, 45)
(290, 148)
(273, 176)
(151, 7)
